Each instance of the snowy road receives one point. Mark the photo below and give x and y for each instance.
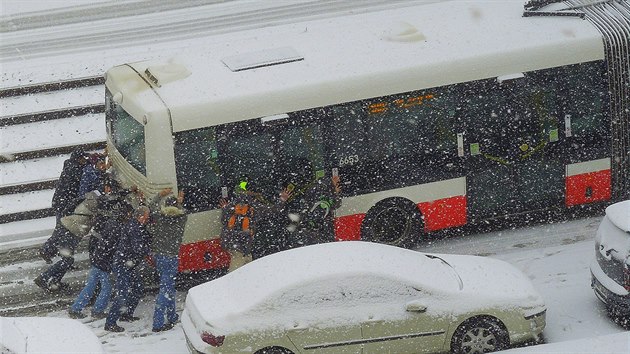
(555, 257)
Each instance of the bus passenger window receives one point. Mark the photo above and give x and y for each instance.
(303, 144)
(544, 115)
(349, 135)
(196, 161)
(394, 132)
(252, 153)
(586, 93)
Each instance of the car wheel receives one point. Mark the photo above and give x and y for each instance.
(274, 350)
(393, 221)
(479, 335)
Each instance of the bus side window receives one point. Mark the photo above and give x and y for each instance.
(545, 114)
(348, 145)
(196, 161)
(398, 127)
(303, 143)
(439, 124)
(585, 93)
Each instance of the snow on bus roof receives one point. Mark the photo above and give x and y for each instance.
(344, 59)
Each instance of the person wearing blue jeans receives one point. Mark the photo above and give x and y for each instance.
(103, 239)
(95, 277)
(167, 230)
(127, 294)
(165, 314)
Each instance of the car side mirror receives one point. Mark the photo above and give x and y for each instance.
(415, 306)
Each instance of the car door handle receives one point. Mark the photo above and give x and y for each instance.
(298, 328)
(370, 320)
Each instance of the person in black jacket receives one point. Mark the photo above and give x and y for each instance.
(64, 200)
(311, 210)
(94, 173)
(73, 227)
(131, 249)
(67, 188)
(103, 239)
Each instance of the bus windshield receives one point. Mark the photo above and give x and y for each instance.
(127, 135)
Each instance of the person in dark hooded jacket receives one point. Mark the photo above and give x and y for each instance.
(167, 230)
(103, 239)
(67, 188)
(64, 200)
(131, 249)
(311, 209)
(94, 173)
(240, 218)
(71, 229)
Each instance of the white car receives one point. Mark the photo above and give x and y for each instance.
(361, 297)
(610, 271)
(46, 335)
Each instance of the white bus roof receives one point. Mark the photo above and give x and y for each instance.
(344, 59)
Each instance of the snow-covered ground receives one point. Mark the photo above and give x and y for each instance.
(555, 256)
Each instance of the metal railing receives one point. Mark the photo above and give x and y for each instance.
(49, 152)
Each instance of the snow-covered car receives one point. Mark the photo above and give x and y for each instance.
(610, 271)
(46, 335)
(353, 297)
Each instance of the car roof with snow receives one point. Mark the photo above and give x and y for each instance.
(269, 275)
(619, 214)
(47, 335)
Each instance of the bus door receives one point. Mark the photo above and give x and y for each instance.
(247, 150)
(509, 127)
(273, 152)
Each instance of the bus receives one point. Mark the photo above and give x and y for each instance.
(434, 115)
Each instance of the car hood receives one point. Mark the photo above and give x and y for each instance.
(47, 335)
(492, 282)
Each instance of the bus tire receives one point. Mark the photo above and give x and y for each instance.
(393, 221)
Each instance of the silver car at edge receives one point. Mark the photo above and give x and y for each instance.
(610, 271)
(361, 297)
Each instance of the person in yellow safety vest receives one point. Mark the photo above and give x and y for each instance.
(239, 215)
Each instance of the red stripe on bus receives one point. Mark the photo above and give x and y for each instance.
(195, 256)
(444, 213)
(348, 228)
(588, 188)
(438, 214)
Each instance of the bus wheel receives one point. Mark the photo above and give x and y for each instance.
(393, 221)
